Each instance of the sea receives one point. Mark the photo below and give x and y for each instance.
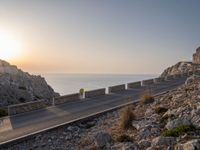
(72, 83)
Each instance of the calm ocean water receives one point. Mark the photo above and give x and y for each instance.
(71, 83)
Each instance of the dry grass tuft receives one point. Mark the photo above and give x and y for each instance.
(146, 98)
(126, 117)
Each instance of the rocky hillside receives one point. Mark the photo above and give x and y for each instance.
(181, 67)
(17, 86)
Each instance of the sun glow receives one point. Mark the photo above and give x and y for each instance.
(10, 48)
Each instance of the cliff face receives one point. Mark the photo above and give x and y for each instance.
(184, 67)
(196, 56)
(17, 86)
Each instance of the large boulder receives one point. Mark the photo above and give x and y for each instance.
(17, 86)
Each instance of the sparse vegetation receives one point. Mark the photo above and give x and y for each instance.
(160, 110)
(124, 138)
(126, 117)
(177, 131)
(146, 98)
(3, 112)
(81, 91)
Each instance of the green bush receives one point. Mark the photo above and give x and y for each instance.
(3, 112)
(124, 138)
(126, 117)
(177, 131)
(81, 91)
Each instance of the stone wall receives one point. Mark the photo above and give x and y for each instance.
(94, 93)
(26, 107)
(116, 88)
(67, 98)
(134, 85)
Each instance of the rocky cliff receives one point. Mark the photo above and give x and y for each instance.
(181, 67)
(17, 86)
(196, 56)
(184, 66)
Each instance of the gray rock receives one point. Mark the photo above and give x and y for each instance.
(130, 146)
(143, 124)
(175, 123)
(163, 141)
(144, 133)
(191, 145)
(103, 140)
(68, 136)
(143, 144)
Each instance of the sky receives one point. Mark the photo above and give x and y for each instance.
(99, 36)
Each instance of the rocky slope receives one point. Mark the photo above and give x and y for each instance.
(17, 86)
(181, 67)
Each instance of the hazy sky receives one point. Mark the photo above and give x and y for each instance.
(101, 36)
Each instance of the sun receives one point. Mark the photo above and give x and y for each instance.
(9, 46)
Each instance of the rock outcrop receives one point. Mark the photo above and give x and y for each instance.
(196, 56)
(180, 68)
(184, 66)
(17, 86)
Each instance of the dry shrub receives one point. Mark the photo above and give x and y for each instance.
(126, 117)
(146, 98)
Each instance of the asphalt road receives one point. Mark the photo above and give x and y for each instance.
(35, 121)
